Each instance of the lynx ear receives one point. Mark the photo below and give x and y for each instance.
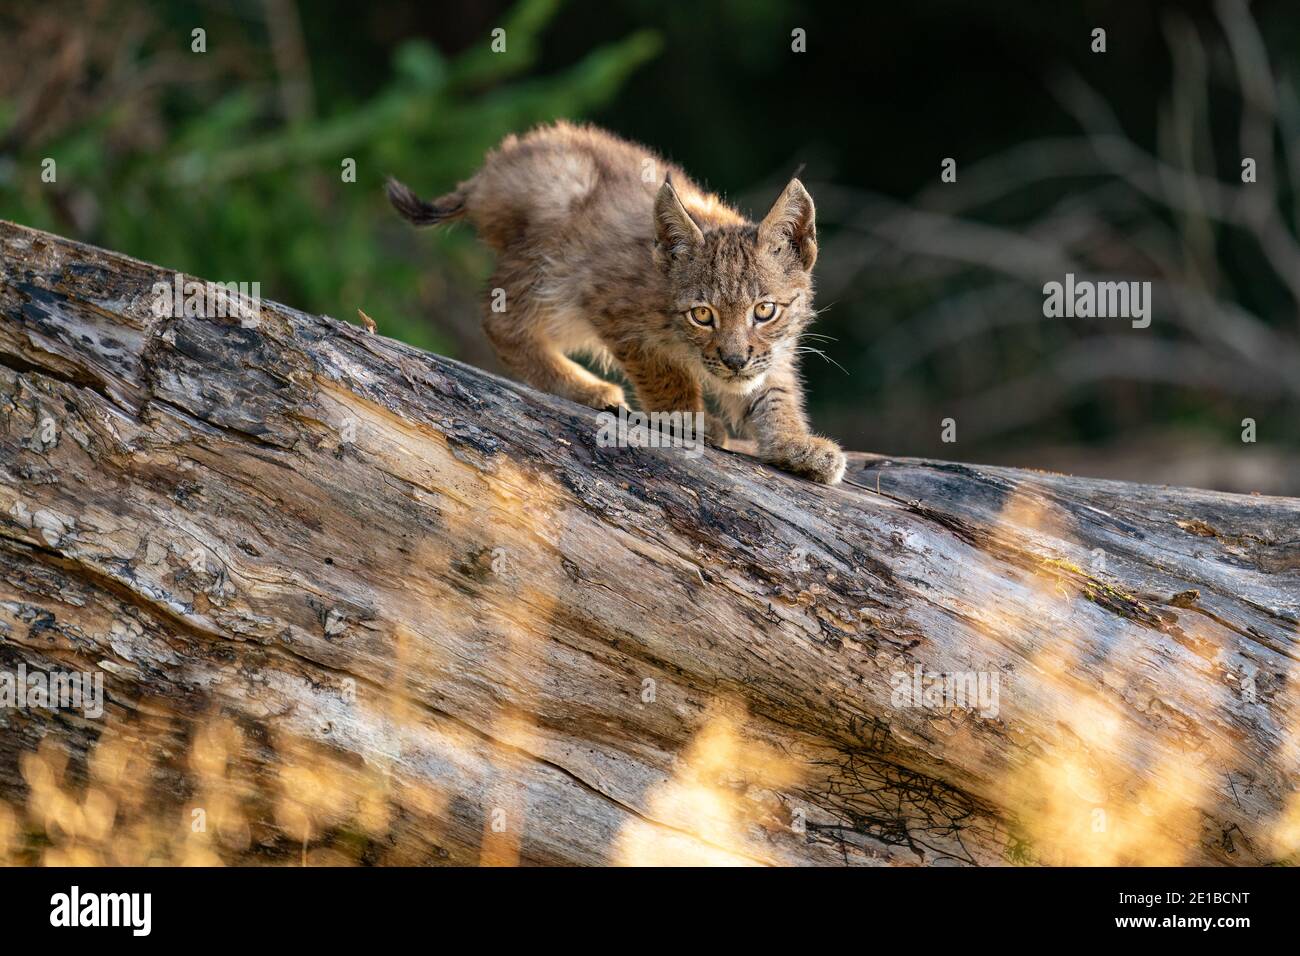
(675, 230)
(792, 221)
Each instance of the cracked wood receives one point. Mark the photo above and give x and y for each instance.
(437, 586)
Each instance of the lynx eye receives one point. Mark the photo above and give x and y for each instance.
(765, 312)
(701, 315)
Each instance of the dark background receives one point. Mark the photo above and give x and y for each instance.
(225, 164)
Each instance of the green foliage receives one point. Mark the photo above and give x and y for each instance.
(235, 192)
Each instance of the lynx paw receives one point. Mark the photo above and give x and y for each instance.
(715, 431)
(600, 395)
(810, 456)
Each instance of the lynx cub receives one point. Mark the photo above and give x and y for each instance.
(608, 250)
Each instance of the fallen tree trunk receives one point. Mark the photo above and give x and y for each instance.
(353, 602)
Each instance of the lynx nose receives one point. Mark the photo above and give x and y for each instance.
(735, 360)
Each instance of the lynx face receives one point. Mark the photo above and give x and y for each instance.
(741, 295)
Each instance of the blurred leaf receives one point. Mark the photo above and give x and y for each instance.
(522, 32)
(420, 63)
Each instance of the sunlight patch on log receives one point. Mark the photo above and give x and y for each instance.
(727, 785)
(1096, 795)
(1284, 834)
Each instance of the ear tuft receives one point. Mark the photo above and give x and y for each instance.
(792, 222)
(675, 230)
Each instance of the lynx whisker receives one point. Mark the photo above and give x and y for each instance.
(805, 349)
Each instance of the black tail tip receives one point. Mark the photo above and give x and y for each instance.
(410, 206)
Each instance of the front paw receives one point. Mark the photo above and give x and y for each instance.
(715, 431)
(810, 456)
(604, 395)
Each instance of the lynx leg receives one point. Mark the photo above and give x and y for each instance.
(663, 386)
(775, 414)
(523, 346)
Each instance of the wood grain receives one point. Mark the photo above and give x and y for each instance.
(359, 603)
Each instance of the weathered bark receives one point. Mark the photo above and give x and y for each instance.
(361, 602)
